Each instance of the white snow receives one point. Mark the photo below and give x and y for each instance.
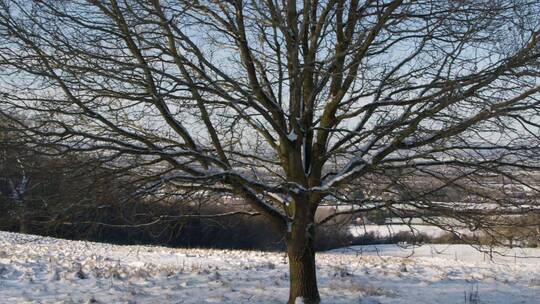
(393, 229)
(46, 270)
(299, 300)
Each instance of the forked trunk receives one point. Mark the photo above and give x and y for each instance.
(303, 275)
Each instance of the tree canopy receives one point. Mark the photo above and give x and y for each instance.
(287, 104)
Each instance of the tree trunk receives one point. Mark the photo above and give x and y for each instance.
(303, 276)
(24, 225)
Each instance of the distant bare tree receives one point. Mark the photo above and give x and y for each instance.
(289, 104)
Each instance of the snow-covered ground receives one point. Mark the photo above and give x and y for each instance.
(413, 225)
(46, 270)
(389, 230)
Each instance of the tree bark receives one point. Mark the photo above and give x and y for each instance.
(303, 274)
(24, 225)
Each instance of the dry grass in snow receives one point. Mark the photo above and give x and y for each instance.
(45, 270)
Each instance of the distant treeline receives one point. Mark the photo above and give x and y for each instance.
(74, 197)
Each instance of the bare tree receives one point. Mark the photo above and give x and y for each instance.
(288, 104)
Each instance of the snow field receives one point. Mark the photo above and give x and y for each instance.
(46, 270)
